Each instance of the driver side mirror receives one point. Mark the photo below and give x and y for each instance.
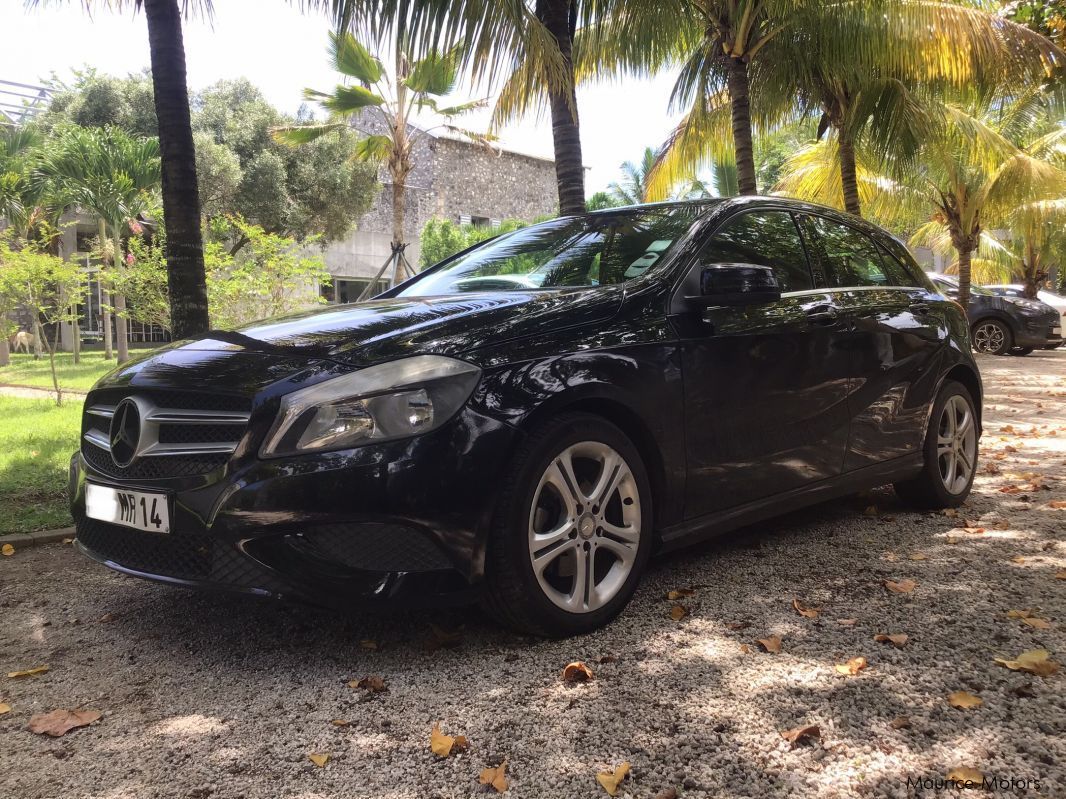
(736, 284)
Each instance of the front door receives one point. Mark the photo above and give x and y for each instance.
(765, 385)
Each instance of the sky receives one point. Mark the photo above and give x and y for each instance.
(281, 50)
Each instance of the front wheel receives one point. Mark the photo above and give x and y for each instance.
(1021, 350)
(950, 453)
(572, 530)
(992, 336)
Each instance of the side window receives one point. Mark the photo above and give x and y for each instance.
(851, 258)
(898, 252)
(764, 238)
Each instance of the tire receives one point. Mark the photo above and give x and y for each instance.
(931, 489)
(1021, 351)
(539, 508)
(992, 336)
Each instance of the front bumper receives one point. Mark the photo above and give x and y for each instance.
(1039, 331)
(403, 522)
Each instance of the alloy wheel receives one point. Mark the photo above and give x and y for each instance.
(584, 527)
(956, 444)
(988, 337)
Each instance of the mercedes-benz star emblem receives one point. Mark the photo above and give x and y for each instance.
(125, 432)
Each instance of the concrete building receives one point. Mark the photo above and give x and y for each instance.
(452, 178)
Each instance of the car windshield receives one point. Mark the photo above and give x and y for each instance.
(598, 249)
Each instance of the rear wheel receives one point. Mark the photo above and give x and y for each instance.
(992, 336)
(950, 453)
(572, 531)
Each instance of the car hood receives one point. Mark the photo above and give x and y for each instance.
(380, 330)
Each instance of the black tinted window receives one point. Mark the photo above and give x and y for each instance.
(898, 252)
(851, 258)
(765, 238)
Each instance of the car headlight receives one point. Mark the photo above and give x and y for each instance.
(1026, 305)
(392, 400)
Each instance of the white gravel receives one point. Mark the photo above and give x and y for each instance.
(221, 697)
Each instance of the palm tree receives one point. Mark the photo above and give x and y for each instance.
(110, 173)
(415, 86)
(530, 44)
(632, 188)
(760, 63)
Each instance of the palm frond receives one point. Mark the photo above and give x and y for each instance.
(295, 135)
(351, 58)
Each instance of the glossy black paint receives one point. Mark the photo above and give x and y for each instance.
(737, 411)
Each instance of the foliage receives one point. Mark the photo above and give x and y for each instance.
(45, 286)
(1043, 16)
(36, 440)
(94, 100)
(442, 238)
(601, 200)
(269, 276)
(632, 188)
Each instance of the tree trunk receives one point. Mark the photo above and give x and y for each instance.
(181, 200)
(105, 295)
(38, 336)
(849, 178)
(398, 208)
(5, 351)
(52, 365)
(122, 339)
(740, 110)
(558, 16)
(965, 252)
(75, 330)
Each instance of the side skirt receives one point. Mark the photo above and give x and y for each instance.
(711, 525)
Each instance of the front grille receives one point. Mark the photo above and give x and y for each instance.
(182, 433)
(183, 556)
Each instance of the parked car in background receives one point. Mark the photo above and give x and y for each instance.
(1003, 324)
(527, 421)
(1056, 301)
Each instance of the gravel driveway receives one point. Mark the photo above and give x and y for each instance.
(210, 696)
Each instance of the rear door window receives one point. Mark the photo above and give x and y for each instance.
(764, 238)
(851, 258)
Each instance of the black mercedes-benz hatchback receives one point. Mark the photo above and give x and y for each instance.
(524, 423)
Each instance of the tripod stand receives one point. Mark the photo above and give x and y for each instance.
(401, 266)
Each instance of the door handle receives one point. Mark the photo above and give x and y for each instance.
(920, 308)
(822, 314)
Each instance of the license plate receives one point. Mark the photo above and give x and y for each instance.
(1056, 331)
(140, 510)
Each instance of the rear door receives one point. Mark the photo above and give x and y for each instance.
(765, 385)
(896, 329)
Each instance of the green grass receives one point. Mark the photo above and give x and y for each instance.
(36, 442)
(24, 371)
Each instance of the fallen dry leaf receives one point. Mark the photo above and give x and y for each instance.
(319, 760)
(7, 550)
(1060, 574)
(607, 658)
(610, 780)
(847, 622)
(60, 722)
(443, 639)
(1036, 624)
(852, 667)
(900, 723)
(341, 723)
(371, 684)
(369, 645)
(870, 510)
(898, 640)
(496, 777)
(1058, 504)
(577, 671)
(444, 745)
(804, 611)
(918, 556)
(798, 735)
(964, 700)
(745, 649)
(4, 708)
(772, 644)
(678, 611)
(1019, 614)
(680, 593)
(1017, 559)
(667, 793)
(28, 672)
(902, 587)
(1034, 661)
(965, 774)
